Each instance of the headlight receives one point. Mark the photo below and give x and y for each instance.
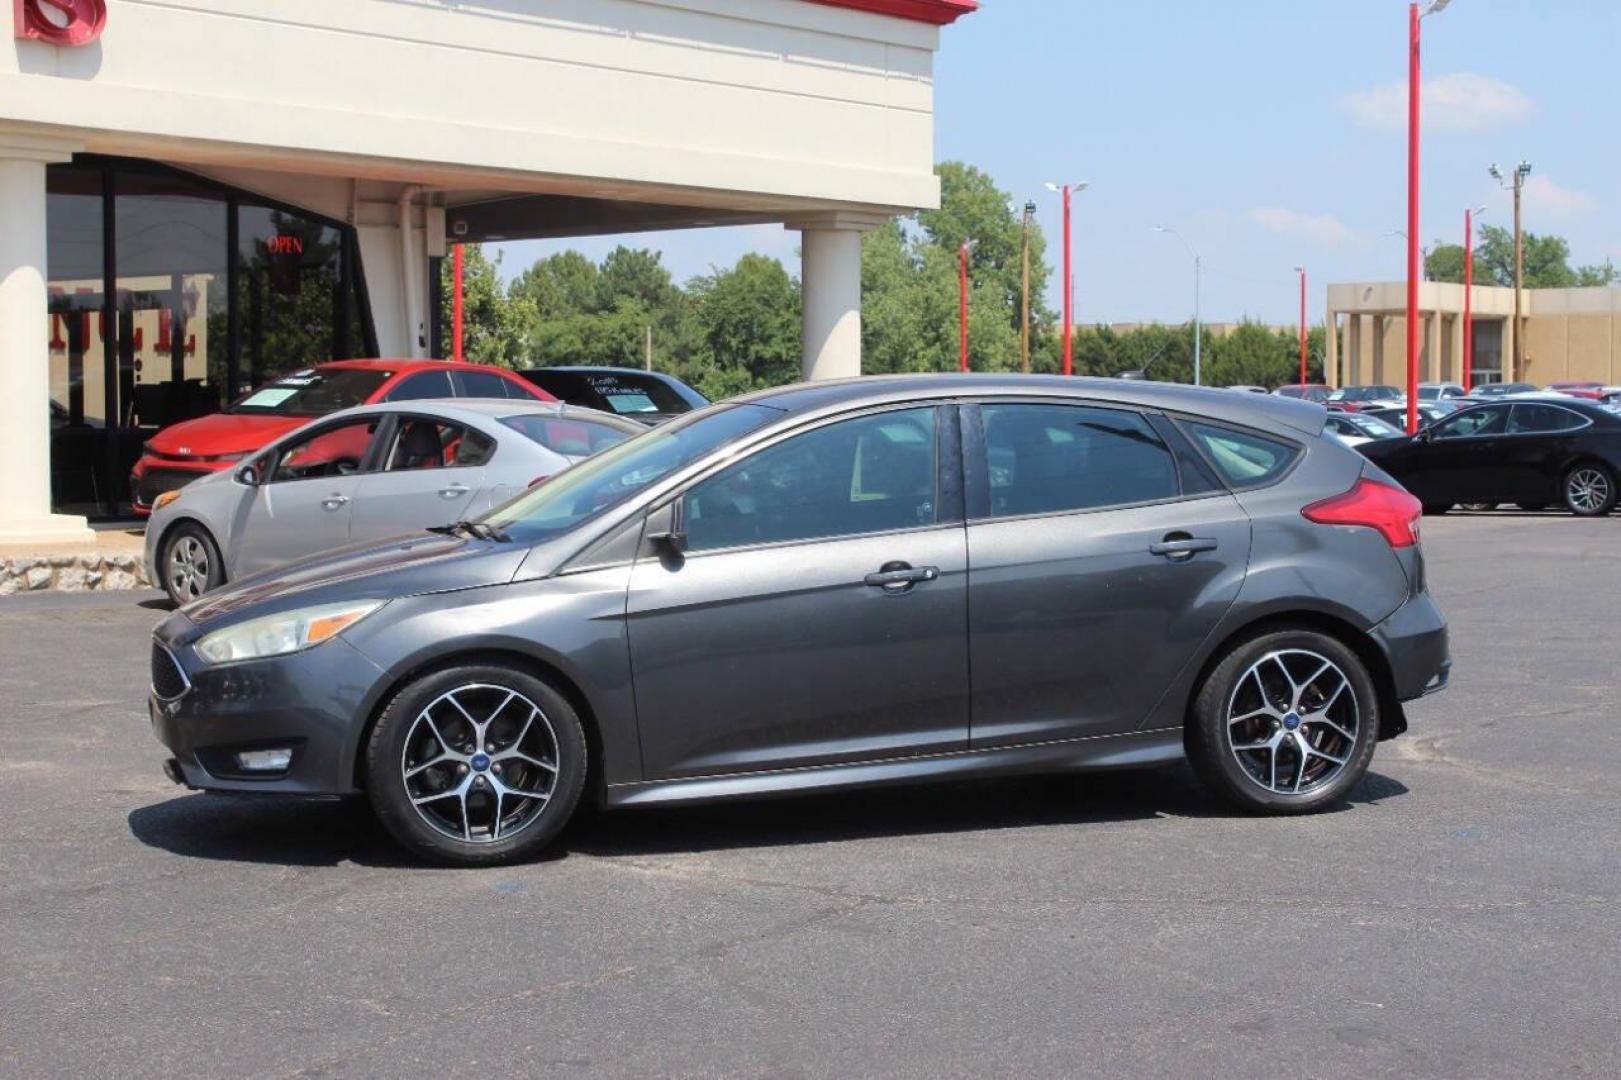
(165, 499)
(288, 632)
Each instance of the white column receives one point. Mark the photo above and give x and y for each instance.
(1432, 347)
(830, 276)
(1351, 373)
(1331, 347)
(25, 378)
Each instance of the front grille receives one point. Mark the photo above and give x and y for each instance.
(155, 482)
(168, 681)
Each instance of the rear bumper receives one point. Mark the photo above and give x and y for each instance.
(1414, 640)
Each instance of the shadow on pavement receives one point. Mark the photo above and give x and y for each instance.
(297, 832)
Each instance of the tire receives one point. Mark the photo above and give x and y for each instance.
(1588, 490)
(489, 791)
(1341, 736)
(1479, 508)
(189, 563)
(1436, 509)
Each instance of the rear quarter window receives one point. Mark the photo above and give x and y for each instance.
(1243, 458)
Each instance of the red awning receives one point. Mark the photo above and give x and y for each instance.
(938, 12)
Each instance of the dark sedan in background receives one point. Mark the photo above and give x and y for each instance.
(1532, 452)
(650, 397)
(835, 585)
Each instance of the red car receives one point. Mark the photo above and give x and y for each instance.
(1591, 389)
(179, 454)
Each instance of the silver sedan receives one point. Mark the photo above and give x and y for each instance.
(365, 474)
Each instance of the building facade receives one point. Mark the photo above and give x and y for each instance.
(195, 194)
(1569, 334)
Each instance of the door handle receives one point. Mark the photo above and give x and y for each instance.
(334, 501)
(898, 577)
(453, 491)
(1180, 547)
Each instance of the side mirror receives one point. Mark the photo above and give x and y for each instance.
(248, 475)
(673, 542)
(1424, 434)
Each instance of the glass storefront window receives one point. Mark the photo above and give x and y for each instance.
(210, 293)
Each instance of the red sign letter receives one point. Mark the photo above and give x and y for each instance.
(60, 22)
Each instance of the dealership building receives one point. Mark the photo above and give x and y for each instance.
(1570, 334)
(195, 194)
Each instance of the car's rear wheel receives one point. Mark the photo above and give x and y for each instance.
(1479, 507)
(1589, 490)
(476, 765)
(1285, 723)
(189, 563)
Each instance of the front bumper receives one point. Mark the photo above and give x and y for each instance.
(1414, 640)
(312, 702)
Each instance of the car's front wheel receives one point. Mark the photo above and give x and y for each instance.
(189, 563)
(476, 765)
(1285, 723)
(1589, 490)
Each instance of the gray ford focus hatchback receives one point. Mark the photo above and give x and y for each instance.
(829, 585)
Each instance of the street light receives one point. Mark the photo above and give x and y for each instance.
(1301, 270)
(1516, 183)
(1029, 211)
(1198, 267)
(962, 278)
(1469, 296)
(1068, 190)
(1413, 18)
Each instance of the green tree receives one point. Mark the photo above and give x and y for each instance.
(1547, 258)
(496, 327)
(1600, 274)
(745, 324)
(973, 209)
(1445, 263)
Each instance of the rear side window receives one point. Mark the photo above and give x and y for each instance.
(1046, 459)
(1538, 419)
(1243, 458)
(485, 384)
(422, 386)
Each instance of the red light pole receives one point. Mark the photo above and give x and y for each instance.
(1301, 270)
(962, 278)
(456, 321)
(1413, 268)
(1067, 191)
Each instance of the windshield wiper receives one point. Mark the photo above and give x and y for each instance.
(478, 530)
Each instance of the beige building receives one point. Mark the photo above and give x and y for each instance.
(1569, 334)
(195, 194)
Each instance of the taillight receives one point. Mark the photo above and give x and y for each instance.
(539, 480)
(1372, 505)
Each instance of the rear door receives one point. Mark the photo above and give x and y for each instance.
(431, 474)
(1541, 439)
(1101, 553)
(819, 613)
(1460, 459)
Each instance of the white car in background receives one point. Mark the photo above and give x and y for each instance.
(365, 474)
(1354, 429)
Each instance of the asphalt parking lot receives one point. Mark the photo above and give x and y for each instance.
(1458, 918)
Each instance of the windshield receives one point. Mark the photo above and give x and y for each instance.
(1376, 427)
(622, 392)
(1363, 393)
(313, 392)
(578, 494)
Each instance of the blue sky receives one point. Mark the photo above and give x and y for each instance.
(1269, 134)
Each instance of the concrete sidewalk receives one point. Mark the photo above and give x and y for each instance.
(112, 562)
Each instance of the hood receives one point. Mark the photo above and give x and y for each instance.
(223, 433)
(405, 566)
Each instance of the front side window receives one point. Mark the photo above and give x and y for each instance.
(1490, 420)
(331, 451)
(1243, 458)
(485, 384)
(1542, 419)
(1052, 458)
(867, 475)
(600, 483)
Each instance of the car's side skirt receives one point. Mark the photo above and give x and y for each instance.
(1131, 750)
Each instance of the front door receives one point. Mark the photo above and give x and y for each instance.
(431, 475)
(1097, 569)
(1459, 459)
(306, 492)
(819, 612)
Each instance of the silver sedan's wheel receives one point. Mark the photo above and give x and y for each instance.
(1292, 722)
(480, 763)
(189, 567)
(1589, 491)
